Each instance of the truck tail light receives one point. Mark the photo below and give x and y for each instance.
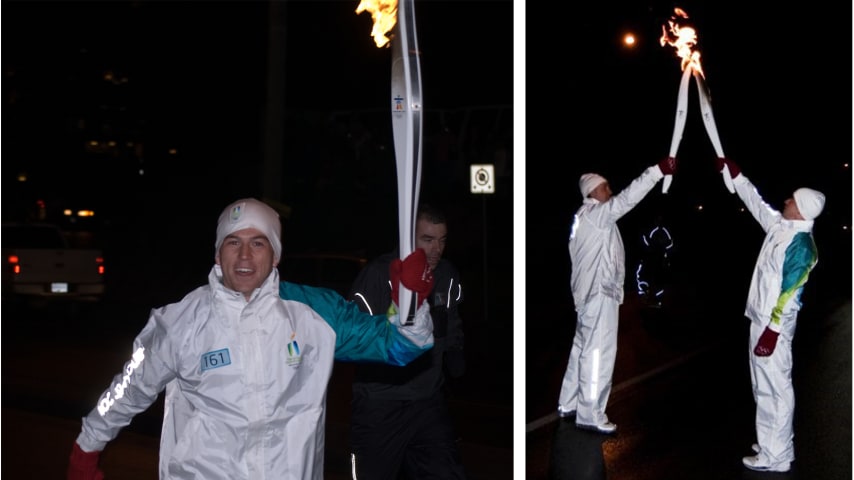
(100, 262)
(13, 261)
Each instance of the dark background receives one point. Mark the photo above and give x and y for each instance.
(185, 91)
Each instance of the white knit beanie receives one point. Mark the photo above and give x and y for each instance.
(250, 213)
(588, 182)
(810, 202)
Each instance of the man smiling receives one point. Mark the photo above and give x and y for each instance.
(245, 372)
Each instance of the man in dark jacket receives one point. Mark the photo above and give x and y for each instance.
(400, 424)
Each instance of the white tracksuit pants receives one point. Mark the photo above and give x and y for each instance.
(771, 378)
(587, 381)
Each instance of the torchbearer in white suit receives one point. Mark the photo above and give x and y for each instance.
(787, 257)
(245, 362)
(598, 273)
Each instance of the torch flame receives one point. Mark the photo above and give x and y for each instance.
(684, 39)
(384, 13)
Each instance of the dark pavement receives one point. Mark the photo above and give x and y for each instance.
(683, 405)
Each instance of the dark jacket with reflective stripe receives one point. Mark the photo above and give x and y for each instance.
(424, 376)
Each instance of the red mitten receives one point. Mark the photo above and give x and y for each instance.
(668, 165)
(414, 272)
(767, 342)
(83, 465)
(734, 171)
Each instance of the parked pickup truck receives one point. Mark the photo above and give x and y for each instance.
(38, 262)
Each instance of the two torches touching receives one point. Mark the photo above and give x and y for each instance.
(684, 40)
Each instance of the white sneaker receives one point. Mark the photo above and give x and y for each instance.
(762, 465)
(755, 448)
(606, 428)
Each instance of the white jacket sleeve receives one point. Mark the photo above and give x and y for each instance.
(133, 389)
(761, 211)
(421, 331)
(622, 203)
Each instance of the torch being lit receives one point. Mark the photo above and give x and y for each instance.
(406, 119)
(684, 39)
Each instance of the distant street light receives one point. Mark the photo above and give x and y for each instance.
(629, 40)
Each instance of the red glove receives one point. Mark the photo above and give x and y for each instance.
(767, 342)
(734, 171)
(668, 165)
(414, 273)
(83, 465)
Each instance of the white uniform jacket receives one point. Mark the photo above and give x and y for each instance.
(785, 260)
(596, 246)
(245, 382)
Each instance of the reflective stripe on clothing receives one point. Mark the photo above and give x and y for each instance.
(587, 381)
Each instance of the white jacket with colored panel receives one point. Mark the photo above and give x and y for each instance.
(246, 381)
(787, 257)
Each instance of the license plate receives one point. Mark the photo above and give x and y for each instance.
(59, 287)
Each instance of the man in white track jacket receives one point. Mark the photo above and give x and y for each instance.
(783, 266)
(245, 371)
(598, 273)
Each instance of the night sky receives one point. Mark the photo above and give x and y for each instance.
(221, 47)
(780, 83)
(195, 104)
(197, 83)
(200, 67)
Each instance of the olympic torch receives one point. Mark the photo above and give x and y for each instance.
(684, 39)
(406, 120)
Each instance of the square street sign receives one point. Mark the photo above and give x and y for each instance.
(482, 178)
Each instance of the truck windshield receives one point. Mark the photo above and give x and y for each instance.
(31, 236)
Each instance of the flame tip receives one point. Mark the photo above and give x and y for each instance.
(683, 39)
(384, 14)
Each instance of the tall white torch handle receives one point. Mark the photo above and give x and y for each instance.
(711, 128)
(679, 123)
(407, 127)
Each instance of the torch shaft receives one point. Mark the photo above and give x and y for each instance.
(407, 129)
(711, 128)
(681, 112)
(679, 122)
